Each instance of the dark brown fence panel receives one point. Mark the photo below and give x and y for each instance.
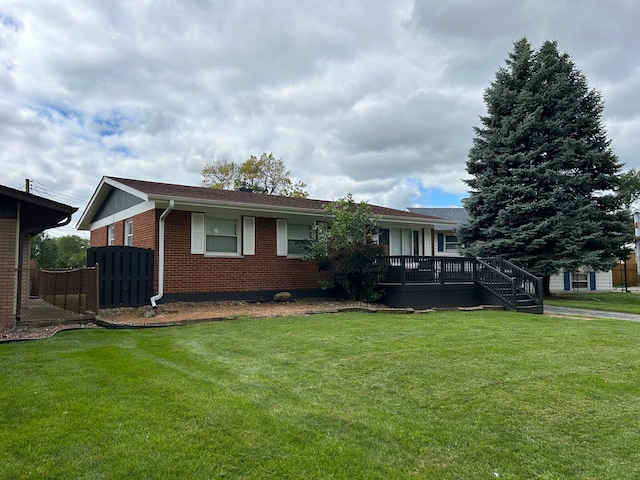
(126, 275)
(74, 290)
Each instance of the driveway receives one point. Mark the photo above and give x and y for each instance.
(581, 312)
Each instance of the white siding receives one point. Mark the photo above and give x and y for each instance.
(604, 283)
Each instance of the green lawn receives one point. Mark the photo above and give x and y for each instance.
(455, 395)
(611, 301)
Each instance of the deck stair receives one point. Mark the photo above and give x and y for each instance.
(517, 289)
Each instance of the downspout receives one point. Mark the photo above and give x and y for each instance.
(160, 293)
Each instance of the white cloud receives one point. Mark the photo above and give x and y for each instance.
(377, 100)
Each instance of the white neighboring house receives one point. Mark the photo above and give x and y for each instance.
(445, 243)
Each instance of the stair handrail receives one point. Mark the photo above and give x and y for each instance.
(526, 282)
(509, 297)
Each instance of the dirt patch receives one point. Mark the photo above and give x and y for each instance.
(186, 312)
(191, 311)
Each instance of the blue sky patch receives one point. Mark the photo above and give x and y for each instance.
(122, 151)
(10, 22)
(110, 126)
(435, 197)
(57, 113)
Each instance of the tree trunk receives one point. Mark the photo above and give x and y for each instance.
(546, 280)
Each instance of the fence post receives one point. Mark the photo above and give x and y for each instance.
(97, 287)
(540, 290)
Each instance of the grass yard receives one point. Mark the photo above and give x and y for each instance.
(454, 395)
(611, 301)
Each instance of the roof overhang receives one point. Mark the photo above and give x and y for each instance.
(38, 214)
(161, 201)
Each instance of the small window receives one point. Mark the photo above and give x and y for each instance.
(298, 237)
(111, 235)
(221, 235)
(128, 233)
(579, 280)
(451, 243)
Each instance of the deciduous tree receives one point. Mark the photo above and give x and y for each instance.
(266, 174)
(629, 190)
(344, 248)
(68, 251)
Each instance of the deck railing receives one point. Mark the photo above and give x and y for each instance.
(405, 269)
(504, 279)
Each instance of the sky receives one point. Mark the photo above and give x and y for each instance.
(377, 99)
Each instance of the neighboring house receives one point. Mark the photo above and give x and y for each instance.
(22, 215)
(446, 243)
(212, 244)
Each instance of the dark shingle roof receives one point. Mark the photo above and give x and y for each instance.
(457, 214)
(186, 192)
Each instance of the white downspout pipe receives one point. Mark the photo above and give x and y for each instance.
(160, 293)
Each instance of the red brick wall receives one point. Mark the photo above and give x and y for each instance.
(187, 273)
(98, 237)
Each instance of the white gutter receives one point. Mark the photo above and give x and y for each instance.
(160, 293)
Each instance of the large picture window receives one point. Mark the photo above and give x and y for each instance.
(401, 241)
(221, 235)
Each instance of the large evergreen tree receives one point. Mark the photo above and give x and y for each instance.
(543, 176)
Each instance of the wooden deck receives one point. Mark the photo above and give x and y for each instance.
(422, 282)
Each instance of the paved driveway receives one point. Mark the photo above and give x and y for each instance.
(551, 310)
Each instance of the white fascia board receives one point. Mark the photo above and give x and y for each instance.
(269, 211)
(413, 222)
(126, 188)
(123, 215)
(99, 195)
(448, 227)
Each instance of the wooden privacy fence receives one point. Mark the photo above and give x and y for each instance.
(126, 275)
(618, 273)
(75, 290)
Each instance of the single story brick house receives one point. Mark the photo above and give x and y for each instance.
(212, 244)
(22, 215)
(446, 243)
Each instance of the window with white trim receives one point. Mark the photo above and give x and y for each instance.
(221, 235)
(451, 243)
(403, 241)
(111, 235)
(579, 279)
(298, 236)
(292, 238)
(128, 232)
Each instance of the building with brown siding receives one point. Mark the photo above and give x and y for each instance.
(22, 215)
